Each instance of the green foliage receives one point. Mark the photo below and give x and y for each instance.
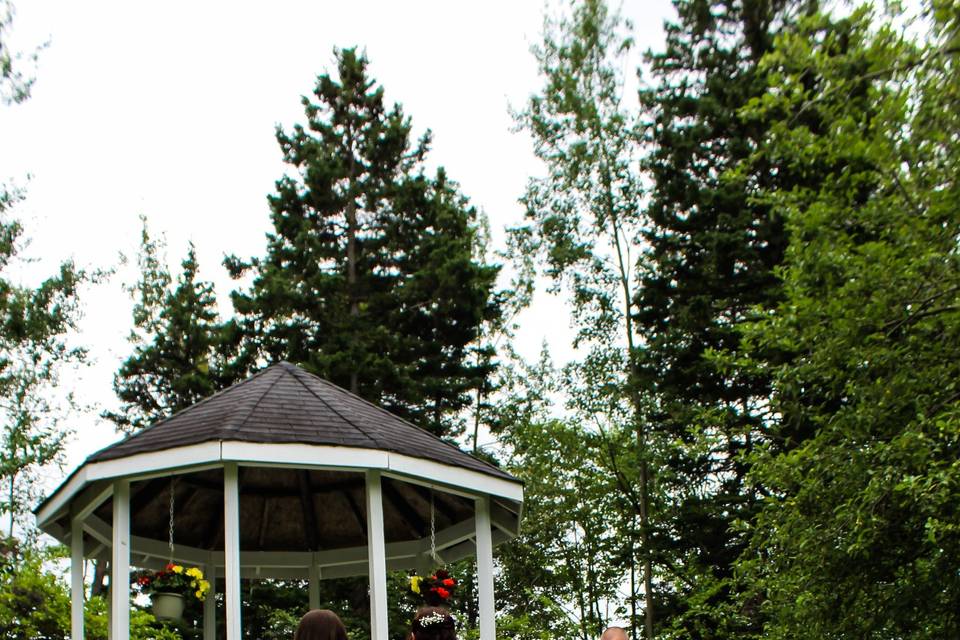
(860, 535)
(14, 84)
(270, 607)
(280, 625)
(581, 218)
(370, 278)
(35, 603)
(710, 251)
(34, 348)
(569, 557)
(181, 351)
(581, 222)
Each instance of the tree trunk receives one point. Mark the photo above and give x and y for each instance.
(101, 569)
(351, 214)
(645, 543)
(624, 269)
(13, 510)
(633, 584)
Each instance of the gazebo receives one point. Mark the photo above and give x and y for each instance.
(283, 475)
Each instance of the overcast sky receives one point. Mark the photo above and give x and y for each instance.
(168, 109)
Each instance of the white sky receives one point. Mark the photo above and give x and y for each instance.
(168, 109)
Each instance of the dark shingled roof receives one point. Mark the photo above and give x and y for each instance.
(285, 404)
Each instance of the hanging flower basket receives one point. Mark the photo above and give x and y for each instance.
(167, 606)
(436, 590)
(170, 587)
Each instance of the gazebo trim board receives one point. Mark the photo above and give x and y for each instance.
(302, 456)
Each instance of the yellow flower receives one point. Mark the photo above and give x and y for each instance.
(194, 572)
(177, 568)
(415, 583)
(199, 595)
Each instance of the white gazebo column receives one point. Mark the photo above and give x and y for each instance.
(210, 602)
(76, 579)
(314, 581)
(376, 557)
(231, 548)
(120, 563)
(487, 610)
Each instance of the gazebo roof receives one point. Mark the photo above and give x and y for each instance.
(303, 450)
(285, 404)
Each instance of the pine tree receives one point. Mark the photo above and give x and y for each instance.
(180, 345)
(370, 278)
(712, 249)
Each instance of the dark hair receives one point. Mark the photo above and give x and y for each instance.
(320, 624)
(442, 629)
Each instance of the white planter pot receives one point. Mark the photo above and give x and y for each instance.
(167, 606)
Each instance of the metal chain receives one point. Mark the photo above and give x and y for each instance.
(173, 484)
(433, 531)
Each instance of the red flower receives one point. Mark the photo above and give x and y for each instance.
(443, 593)
(169, 567)
(442, 574)
(449, 582)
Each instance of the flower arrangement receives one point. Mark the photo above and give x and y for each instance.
(174, 578)
(436, 589)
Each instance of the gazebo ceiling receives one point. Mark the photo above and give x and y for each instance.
(285, 510)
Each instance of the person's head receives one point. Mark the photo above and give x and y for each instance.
(433, 623)
(320, 624)
(614, 633)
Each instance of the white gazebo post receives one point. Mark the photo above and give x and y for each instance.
(231, 549)
(210, 601)
(120, 563)
(76, 579)
(487, 610)
(376, 557)
(314, 595)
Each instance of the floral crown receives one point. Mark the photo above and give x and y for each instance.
(435, 619)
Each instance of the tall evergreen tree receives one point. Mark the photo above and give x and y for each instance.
(711, 251)
(370, 278)
(180, 346)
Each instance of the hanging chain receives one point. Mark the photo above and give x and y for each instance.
(173, 485)
(433, 531)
